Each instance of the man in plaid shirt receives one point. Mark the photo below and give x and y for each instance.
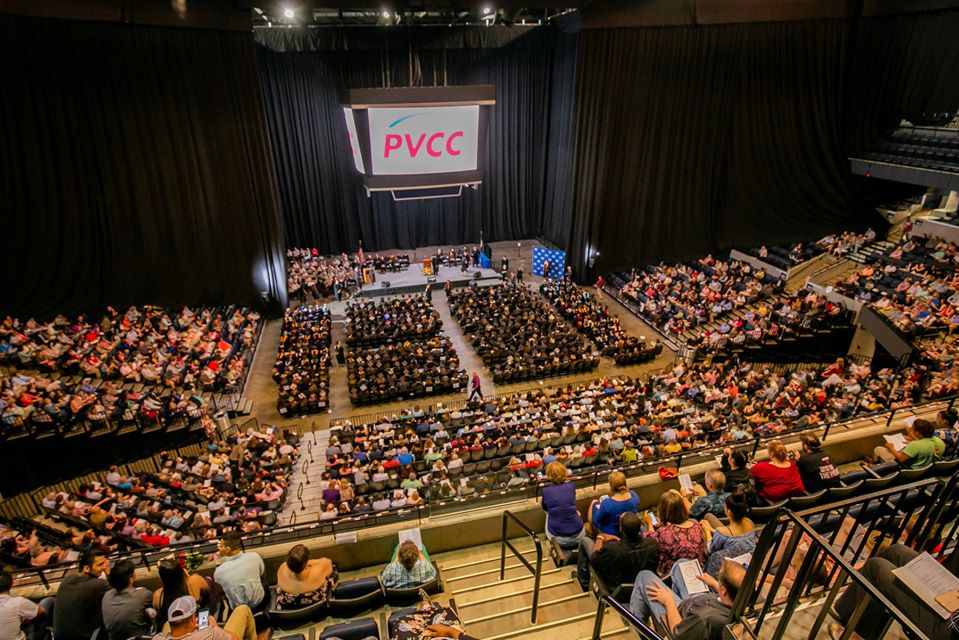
(410, 568)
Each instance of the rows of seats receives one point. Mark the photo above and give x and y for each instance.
(912, 283)
(517, 333)
(934, 149)
(374, 322)
(43, 405)
(787, 256)
(593, 319)
(208, 349)
(310, 275)
(238, 484)
(783, 317)
(505, 442)
(302, 368)
(678, 297)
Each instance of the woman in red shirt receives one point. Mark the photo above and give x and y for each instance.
(778, 478)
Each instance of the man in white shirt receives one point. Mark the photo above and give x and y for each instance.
(16, 611)
(241, 573)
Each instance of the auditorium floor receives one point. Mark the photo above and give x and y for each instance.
(262, 390)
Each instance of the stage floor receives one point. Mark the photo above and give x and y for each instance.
(412, 280)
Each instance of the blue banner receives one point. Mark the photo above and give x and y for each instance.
(557, 262)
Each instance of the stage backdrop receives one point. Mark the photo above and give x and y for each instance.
(133, 169)
(304, 76)
(691, 139)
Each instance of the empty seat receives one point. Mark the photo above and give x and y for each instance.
(351, 596)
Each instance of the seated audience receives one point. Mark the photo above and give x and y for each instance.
(302, 369)
(301, 582)
(815, 465)
(241, 573)
(410, 567)
(699, 617)
(678, 536)
(517, 334)
(729, 540)
(184, 623)
(78, 610)
(401, 370)
(922, 448)
(372, 322)
(563, 522)
(594, 320)
(126, 609)
(617, 560)
(709, 500)
(679, 297)
(777, 478)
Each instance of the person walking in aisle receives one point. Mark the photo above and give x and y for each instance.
(476, 388)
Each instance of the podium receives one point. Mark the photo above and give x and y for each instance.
(427, 266)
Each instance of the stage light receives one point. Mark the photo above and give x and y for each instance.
(289, 13)
(386, 14)
(487, 10)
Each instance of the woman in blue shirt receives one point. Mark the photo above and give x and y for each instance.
(604, 514)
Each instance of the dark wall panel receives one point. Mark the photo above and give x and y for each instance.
(133, 169)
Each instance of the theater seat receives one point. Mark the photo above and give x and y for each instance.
(352, 630)
(561, 556)
(396, 597)
(883, 469)
(351, 596)
(289, 618)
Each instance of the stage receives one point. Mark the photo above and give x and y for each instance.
(412, 280)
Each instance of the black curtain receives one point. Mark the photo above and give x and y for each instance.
(692, 139)
(305, 76)
(906, 67)
(134, 169)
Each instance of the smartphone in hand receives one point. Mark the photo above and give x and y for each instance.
(203, 619)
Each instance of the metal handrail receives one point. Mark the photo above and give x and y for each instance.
(851, 575)
(640, 627)
(537, 571)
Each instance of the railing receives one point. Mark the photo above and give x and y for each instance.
(537, 571)
(818, 554)
(850, 530)
(638, 626)
(277, 534)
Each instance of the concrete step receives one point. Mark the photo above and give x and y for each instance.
(557, 613)
(485, 587)
(518, 597)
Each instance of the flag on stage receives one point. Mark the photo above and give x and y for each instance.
(557, 262)
(359, 255)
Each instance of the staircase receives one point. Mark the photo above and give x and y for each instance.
(306, 495)
(495, 609)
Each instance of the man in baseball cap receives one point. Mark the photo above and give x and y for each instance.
(183, 619)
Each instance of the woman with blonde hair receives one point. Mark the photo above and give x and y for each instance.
(604, 513)
(563, 522)
(777, 478)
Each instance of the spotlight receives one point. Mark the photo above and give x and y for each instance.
(487, 10)
(289, 13)
(386, 14)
